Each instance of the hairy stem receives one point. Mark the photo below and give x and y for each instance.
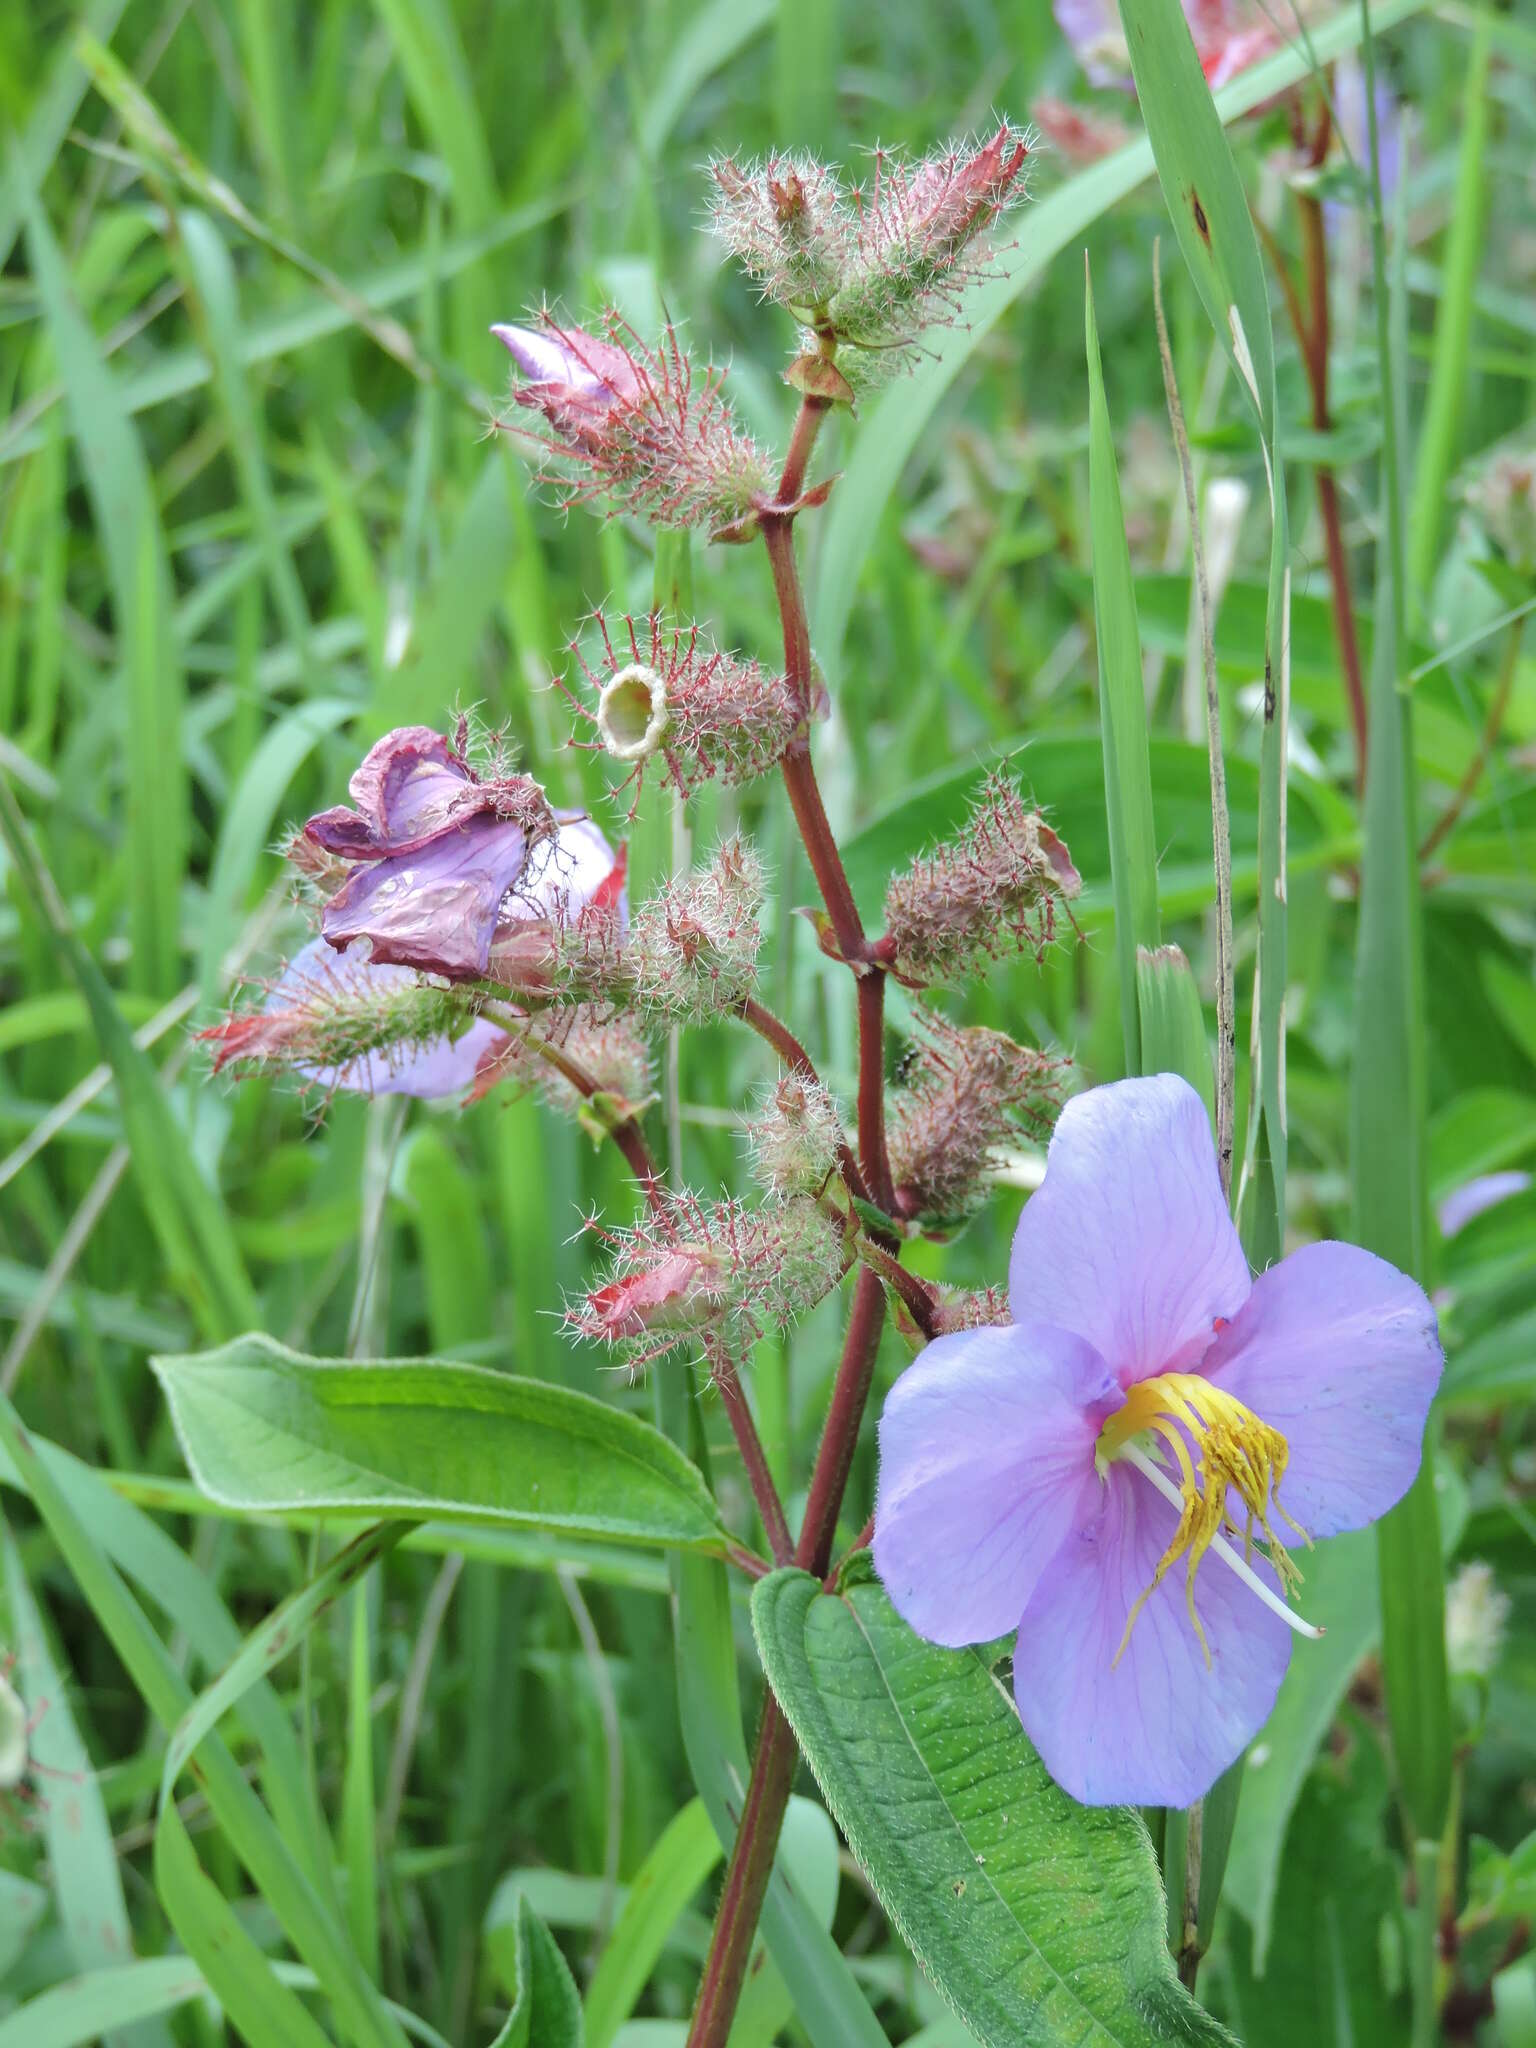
(746, 1879)
(624, 1131)
(810, 813)
(829, 1476)
(755, 1460)
(773, 1766)
(915, 1293)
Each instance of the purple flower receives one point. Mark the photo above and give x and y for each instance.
(1474, 1196)
(1228, 35)
(573, 378)
(1148, 1401)
(444, 861)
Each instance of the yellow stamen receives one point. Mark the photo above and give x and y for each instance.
(1238, 1454)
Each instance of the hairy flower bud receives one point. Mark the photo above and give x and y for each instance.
(639, 425)
(664, 694)
(965, 1092)
(691, 953)
(990, 891)
(717, 1275)
(1503, 495)
(970, 1308)
(794, 1139)
(787, 222)
(867, 269)
(341, 1021)
(921, 239)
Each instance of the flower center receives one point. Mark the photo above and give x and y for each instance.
(1199, 1446)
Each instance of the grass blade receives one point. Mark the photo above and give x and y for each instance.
(1453, 325)
(188, 1216)
(128, 528)
(1122, 705)
(1388, 1098)
(1209, 210)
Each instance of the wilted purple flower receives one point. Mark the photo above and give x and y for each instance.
(443, 860)
(342, 1021)
(638, 424)
(1148, 1400)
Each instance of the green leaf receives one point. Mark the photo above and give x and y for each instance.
(22, 1905)
(1173, 1039)
(828, 2001)
(546, 2010)
(1122, 705)
(1338, 1904)
(1449, 378)
(83, 1863)
(263, 1427)
(1039, 1921)
(128, 530)
(1514, 2004)
(300, 1907)
(1340, 1595)
(74, 2013)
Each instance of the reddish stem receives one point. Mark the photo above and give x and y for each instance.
(829, 1477)
(753, 1457)
(773, 1766)
(1314, 349)
(746, 1879)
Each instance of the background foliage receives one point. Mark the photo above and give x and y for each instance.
(249, 517)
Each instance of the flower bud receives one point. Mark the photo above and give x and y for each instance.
(665, 694)
(787, 222)
(921, 241)
(641, 426)
(794, 1140)
(341, 1021)
(965, 1091)
(692, 951)
(970, 1308)
(719, 1275)
(989, 891)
